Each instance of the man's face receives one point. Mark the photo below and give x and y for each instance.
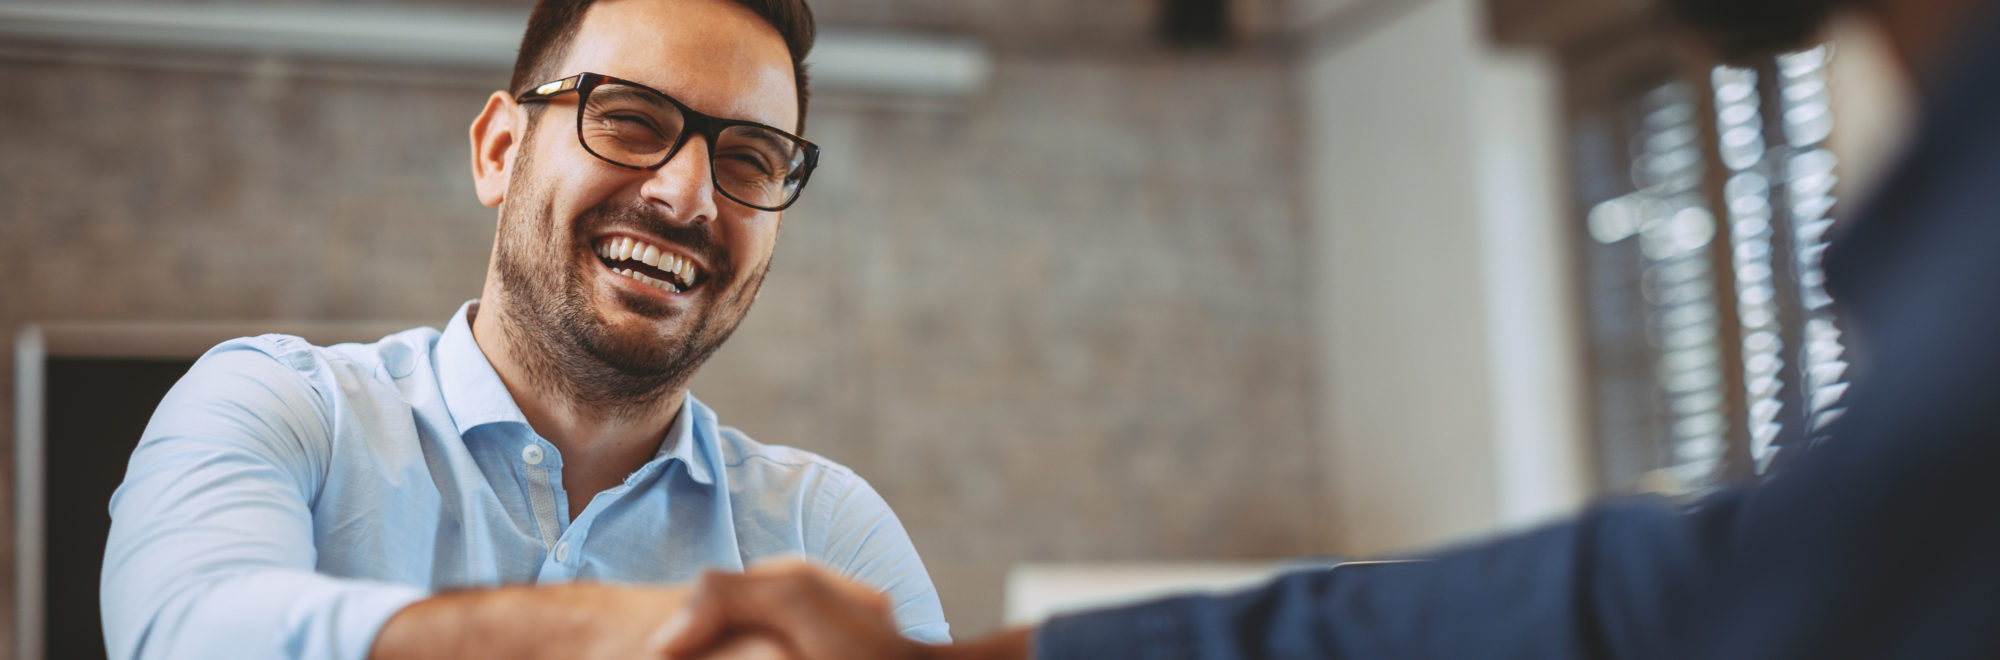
(564, 207)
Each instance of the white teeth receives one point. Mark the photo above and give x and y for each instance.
(642, 278)
(625, 248)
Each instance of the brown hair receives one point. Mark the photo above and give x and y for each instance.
(1744, 31)
(553, 23)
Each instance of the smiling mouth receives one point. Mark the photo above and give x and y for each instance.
(648, 264)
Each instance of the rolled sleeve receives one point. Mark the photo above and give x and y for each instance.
(211, 549)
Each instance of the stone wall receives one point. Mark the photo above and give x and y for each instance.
(1063, 321)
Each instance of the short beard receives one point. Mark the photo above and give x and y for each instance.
(562, 344)
(1748, 31)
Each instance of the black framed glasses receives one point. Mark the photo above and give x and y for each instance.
(637, 127)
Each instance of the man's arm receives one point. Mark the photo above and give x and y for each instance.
(211, 551)
(585, 621)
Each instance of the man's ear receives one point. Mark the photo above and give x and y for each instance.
(496, 135)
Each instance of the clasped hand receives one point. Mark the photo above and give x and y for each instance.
(792, 609)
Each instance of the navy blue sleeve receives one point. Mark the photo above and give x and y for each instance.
(1370, 611)
(1879, 544)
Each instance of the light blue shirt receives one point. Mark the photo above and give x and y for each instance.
(286, 499)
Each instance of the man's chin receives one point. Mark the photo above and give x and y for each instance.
(638, 349)
(634, 303)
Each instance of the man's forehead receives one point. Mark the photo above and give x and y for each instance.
(717, 56)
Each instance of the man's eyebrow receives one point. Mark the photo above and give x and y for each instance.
(629, 91)
(767, 136)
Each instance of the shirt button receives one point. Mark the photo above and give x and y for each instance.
(562, 552)
(532, 454)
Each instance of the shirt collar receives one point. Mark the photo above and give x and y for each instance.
(692, 439)
(475, 396)
(473, 392)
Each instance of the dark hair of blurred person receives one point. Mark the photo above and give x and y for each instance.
(1744, 30)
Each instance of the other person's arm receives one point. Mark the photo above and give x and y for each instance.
(1878, 544)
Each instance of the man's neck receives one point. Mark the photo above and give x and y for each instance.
(599, 447)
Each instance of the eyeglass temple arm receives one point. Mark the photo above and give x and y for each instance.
(549, 89)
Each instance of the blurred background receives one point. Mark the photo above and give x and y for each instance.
(1079, 286)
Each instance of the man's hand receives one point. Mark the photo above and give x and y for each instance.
(811, 614)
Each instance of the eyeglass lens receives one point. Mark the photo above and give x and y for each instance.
(636, 127)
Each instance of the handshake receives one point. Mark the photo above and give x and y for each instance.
(794, 610)
(779, 610)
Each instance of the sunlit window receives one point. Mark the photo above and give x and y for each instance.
(1720, 231)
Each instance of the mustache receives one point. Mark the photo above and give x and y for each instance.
(696, 237)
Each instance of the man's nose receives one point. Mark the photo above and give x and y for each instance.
(685, 183)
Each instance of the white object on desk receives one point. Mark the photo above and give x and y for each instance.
(1038, 591)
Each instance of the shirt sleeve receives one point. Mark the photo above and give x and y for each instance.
(1512, 602)
(1877, 544)
(211, 552)
(861, 538)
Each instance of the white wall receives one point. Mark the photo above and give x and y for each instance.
(1534, 332)
(1445, 310)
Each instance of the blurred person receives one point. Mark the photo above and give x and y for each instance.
(296, 501)
(1878, 543)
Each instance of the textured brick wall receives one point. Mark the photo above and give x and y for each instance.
(1068, 324)
(1065, 321)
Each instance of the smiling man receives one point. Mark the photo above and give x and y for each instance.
(406, 498)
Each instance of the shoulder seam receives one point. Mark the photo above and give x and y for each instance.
(304, 359)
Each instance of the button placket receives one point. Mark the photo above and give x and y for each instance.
(541, 494)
